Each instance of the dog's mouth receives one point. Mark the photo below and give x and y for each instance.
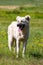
(21, 26)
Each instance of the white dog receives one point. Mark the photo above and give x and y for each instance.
(19, 31)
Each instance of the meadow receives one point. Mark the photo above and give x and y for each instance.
(34, 50)
(21, 2)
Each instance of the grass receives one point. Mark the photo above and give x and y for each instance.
(34, 52)
(21, 2)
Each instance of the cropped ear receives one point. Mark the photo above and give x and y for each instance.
(27, 17)
(18, 18)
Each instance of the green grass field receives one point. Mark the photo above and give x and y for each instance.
(34, 50)
(21, 2)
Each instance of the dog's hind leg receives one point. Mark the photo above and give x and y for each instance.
(9, 42)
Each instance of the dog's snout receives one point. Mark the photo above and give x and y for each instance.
(21, 26)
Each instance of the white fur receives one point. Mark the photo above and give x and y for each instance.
(18, 35)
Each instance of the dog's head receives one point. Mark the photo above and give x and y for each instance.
(22, 21)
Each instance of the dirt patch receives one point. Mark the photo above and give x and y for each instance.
(9, 7)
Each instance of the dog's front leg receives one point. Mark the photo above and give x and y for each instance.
(17, 47)
(24, 48)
